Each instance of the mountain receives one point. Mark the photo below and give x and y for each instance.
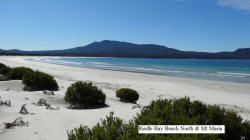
(107, 48)
(245, 51)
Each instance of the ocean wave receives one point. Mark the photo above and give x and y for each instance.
(147, 69)
(142, 69)
(62, 62)
(99, 63)
(230, 73)
(174, 71)
(48, 60)
(225, 75)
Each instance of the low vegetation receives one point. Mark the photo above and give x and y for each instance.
(167, 112)
(18, 73)
(4, 70)
(36, 80)
(84, 95)
(127, 95)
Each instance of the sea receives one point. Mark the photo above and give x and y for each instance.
(219, 70)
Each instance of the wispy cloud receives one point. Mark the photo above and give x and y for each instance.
(236, 4)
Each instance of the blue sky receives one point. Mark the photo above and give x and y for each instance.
(195, 25)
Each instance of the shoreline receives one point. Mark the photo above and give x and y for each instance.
(43, 125)
(130, 72)
(191, 81)
(173, 74)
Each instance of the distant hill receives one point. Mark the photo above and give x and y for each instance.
(107, 48)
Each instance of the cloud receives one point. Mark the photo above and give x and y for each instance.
(236, 4)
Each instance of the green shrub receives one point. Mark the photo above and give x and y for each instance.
(2, 65)
(127, 94)
(84, 95)
(246, 129)
(167, 112)
(37, 80)
(18, 73)
(4, 69)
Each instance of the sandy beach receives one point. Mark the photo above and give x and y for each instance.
(47, 124)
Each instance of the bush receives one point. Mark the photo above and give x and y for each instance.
(167, 112)
(246, 129)
(37, 80)
(127, 94)
(4, 69)
(18, 73)
(84, 95)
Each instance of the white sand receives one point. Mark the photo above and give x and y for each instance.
(53, 124)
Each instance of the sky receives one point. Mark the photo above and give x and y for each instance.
(190, 25)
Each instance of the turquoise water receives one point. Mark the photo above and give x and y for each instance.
(223, 70)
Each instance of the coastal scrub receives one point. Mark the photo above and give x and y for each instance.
(127, 95)
(37, 80)
(167, 112)
(4, 69)
(18, 73)
(84, 95)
